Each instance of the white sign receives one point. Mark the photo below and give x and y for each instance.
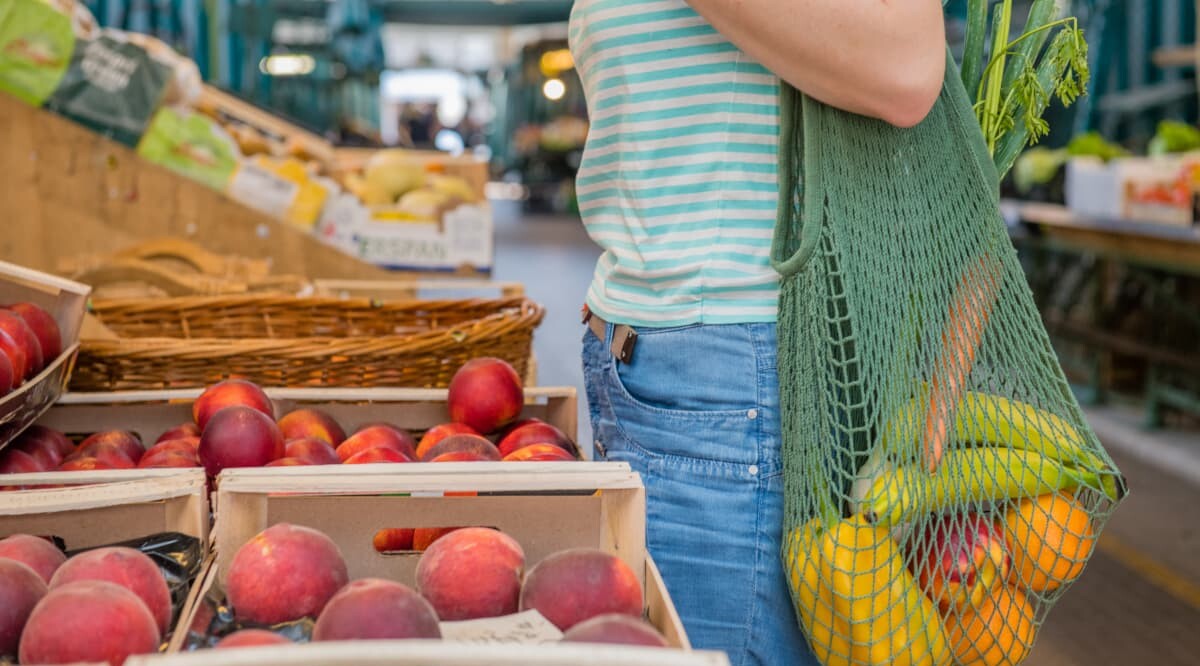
(528, 628)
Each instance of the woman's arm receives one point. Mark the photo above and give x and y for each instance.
(879, 58)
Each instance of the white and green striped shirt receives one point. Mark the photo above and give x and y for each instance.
(677, 182)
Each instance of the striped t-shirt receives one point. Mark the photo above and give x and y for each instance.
(677, 182)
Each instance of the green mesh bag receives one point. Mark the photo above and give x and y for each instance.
(943, 489)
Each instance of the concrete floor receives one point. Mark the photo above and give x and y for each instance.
(1137, 603)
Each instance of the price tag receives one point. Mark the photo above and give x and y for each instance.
(262, 190)
(528, 627)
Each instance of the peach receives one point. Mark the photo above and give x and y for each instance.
(184, 446)
(181, 431)
(473, 443)
(167, 459)
(289, 462)
(462, 456)
(311, 423)
(123, 441)
(251, 638)
(423, 537)
(229, 393)
(15, 461)
(379, 454)
(539, 453)
(19, 331)
(372, 609)
(393, 539)
(574, 585)
(315, 451)
(284, 573)
(44, 328)
(88, 621)
(129, 568)
(439, 432)
(239, 436)
(534, 433)
(20, 590)
(88, 463)
(48, 446)
(12, 348)
(486, 394)
(615, 628)
(39, 554)
(375, 435)
(471, 573)
(8, 378)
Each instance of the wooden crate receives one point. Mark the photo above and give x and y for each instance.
(79, 193)
(66, 301)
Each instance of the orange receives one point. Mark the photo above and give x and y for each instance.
(1050, 538)
(997, 632)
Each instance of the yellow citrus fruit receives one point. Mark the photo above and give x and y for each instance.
(1050, 539)
(997, 632)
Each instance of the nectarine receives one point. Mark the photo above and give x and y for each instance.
(48, 446)
(315, 451)
(239, 436)
(15, 461)
(181, 431)
(18, 330)
(379, 454)
(44, 328)
(226, 394)
(311, 423)
(539, 453)
(486, 394)
(377, 435)
(121, 441)
(534, 433)
(472, 443)
(438, 433)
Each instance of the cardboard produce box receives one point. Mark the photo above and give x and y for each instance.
(101, 508)
(546, 507)
(66, 301)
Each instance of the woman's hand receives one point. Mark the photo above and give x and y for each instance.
(880, 58)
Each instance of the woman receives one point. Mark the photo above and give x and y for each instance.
(678, 186)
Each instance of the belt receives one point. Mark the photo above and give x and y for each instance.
(624, 337)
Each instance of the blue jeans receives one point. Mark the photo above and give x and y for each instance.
(696, 413)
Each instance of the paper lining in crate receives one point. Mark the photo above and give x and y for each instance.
(66, 301)
(546, 507)
(151, 413)
(300, 341)
(97, 508)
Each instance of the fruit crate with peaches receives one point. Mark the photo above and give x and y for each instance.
(541, 555)
(96, 566)
(40, 318)
(294, 341)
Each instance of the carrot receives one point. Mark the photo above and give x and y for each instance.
(968, 317)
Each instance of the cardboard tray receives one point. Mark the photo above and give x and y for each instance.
(66, 301)
(546, 507)
(110, 507)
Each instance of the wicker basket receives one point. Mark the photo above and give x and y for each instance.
(295, 342)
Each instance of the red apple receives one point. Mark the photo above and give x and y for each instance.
(538, 453)
(44, 328)
(534, 433)
(239, 436)
(122, 441)
(486, 394)
(473, 443)
(18, 330)
(315, 451)
(311, 423)
(229, 393)
(180, 431)
(960, 559)
(284, 573)
(379, 454)
(375, 435)
(439, 432)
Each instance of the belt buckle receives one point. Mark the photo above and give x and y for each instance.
(624, 339)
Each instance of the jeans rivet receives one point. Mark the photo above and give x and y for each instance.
(753, 470)
(752, 414)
